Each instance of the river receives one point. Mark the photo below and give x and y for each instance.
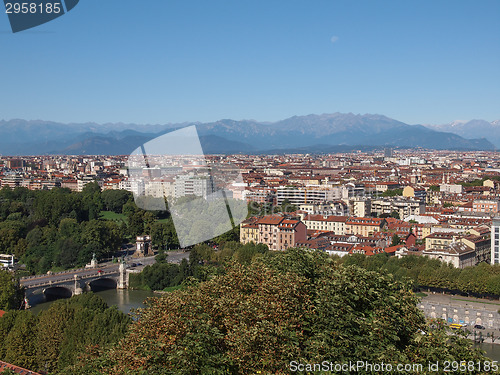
(128, 300)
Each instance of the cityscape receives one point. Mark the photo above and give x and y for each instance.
(249, 188)
(443, 205)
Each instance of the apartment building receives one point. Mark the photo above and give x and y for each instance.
(489, 206)
(440, 240)
(193, 184)
(458, 254)
(277, 232)
(305, 195)
(335, 224)
(403, 206)
(249, 233)
(495, 241)
(364, 226)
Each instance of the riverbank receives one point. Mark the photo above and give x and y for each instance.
(467, 311)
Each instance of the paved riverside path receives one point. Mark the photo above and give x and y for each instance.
(462, 310)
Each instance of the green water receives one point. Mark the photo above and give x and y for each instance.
(125, 300)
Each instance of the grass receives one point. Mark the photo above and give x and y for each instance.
(420, 294)
(110, 215)
(172, 288)
(476, 301)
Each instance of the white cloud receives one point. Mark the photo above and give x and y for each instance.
(334, 38)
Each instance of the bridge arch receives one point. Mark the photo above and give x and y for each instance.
(103, 283)
(53, 293)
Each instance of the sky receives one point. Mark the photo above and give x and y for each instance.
(161, 61)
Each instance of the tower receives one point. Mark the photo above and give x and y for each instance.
(495, 238)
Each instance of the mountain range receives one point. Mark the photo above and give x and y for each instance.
(311, 133)
(471, 129)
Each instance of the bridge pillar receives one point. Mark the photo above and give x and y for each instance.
(77, 289)
(122, 277)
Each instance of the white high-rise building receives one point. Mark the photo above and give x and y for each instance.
(495, 241)
(191, 184)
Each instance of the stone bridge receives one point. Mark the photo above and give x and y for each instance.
(69, 283)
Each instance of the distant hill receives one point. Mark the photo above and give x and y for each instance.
(311, 133)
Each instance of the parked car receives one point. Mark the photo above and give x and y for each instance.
(479, 326)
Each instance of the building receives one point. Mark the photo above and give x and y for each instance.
(335, 224)
(364, 226)
(7, 261)
(457, 253)
(4, 366)
(360, 207)
(382, 187)
(489, 206)
(81, 182)
(249, 233)
(403, 206)
(440, 240)
(136, 187)
(305, 195)
(277, 232)
(291, 232)
(451, 188)
(200, 185)
(495, 238)
(15, 163)
(415, 193)
(479, 239)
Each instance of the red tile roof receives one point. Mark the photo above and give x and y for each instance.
(16, 369)
(270, 220)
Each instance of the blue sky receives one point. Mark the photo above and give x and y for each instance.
(160, 61)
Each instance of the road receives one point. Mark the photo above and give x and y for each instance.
(102, 269)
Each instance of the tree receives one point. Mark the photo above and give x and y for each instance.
(395, 240)
(11, 294)
(395, 215)
(91, 200)
(392, 193)
(295, 305)
(104, 235)
(55, 338)
(20, 343)
(136, 224)
(114, 200)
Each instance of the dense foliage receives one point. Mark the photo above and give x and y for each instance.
(56, 337)
(59, 229)
(479, 280)
(11, 294)
(392, 193)
(203, 262)
(281, 307)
